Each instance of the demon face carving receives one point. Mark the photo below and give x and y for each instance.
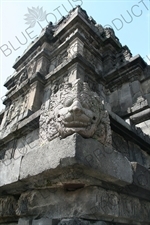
(74, 108)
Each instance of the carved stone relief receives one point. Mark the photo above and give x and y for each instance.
(75, 47)
(31, 68)
(15, 110)
(61, 58)
(74, 108)
(22, 78)
(130, 150)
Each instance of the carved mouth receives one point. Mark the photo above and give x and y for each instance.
(76, 124)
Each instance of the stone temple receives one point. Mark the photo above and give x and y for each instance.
(74, 135)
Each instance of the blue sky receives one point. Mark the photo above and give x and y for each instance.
(129, 19)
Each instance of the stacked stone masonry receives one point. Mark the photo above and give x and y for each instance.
(74, 134)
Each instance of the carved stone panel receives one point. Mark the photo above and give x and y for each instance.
(15, 112)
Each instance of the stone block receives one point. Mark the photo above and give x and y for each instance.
(46, 97)
(125, 98)
(75, 72)
(140, 117)
(32, 140)
(100, 161)
(135, 153)
(120, 145)
(114, 101)
(146, 86)
(42, 65)
(145, 126)
(76, 47)
(35, 96)
(108, 163)
(148, 98)
(9, 171)
(45, 157)
(26, 144)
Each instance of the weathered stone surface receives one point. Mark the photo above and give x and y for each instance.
(42, 65)
(141, 176)
(114, 101)
(45, 157)
(88, 203)
(7, 207)
(9, 171)
(125, 98)
(146, 86)
(130, 150)
(107, 164)
(102, 158)
(26, 144)
(130, 131)
(148, 98)
(136, 90)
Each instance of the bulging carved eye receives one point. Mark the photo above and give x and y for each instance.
(68, 101)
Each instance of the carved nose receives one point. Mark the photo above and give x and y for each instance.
(76, 108)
